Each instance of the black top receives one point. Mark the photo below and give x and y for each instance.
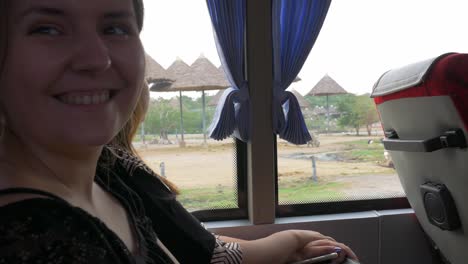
(50, 230)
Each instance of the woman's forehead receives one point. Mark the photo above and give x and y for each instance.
(89, 7)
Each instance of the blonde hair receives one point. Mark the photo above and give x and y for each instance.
(123, 140)
(125, 136)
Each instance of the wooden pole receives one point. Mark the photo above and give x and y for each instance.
(328, 116)
(314, 170)
(204, 117)
(182, 141)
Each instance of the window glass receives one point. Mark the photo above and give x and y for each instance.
(359, 41)
(173, 139)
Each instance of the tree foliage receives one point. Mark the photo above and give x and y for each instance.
(163, 116)
(356, 112)
(322, 100)
(319, 122)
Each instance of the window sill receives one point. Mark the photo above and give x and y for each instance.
(313, 218)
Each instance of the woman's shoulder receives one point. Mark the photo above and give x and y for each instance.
(43, 229)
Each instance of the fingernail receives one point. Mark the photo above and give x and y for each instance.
(338, 249)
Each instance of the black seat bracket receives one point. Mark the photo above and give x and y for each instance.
(452, 138)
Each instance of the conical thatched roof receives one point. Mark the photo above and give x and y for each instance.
(155, 74)
(178, 69)
(327, 86)
(203, 75)
(153, 68)
(303, 103)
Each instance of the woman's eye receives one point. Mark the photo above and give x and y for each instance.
(116, 30)
(46, 30)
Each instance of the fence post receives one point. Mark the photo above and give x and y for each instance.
(162, 169)
(314, 170)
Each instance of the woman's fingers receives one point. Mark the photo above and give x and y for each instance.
(317, 248)
(306, 236)
(316, 244)
(327, 246)
(314, 251)
(345, 252)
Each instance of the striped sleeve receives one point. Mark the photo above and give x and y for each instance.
(226, 253)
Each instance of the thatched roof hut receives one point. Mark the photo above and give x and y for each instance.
(326, 86)
(203, 76)
(155, 74)
(178, 69)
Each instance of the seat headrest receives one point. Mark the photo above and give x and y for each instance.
(401, 78)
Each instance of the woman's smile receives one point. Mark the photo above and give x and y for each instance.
(86, 98)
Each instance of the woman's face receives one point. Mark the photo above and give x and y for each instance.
(73, 72)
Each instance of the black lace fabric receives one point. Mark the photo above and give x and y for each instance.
(49, 230)
(42, 230)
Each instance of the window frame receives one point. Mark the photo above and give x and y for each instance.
(241, 183)
(258, 196)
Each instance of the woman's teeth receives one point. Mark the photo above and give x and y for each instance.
(88, 99)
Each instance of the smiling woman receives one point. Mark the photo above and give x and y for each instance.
(72, 190)
(69, 65)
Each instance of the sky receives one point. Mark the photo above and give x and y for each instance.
(359, 40)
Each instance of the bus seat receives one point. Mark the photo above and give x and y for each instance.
(423, 108)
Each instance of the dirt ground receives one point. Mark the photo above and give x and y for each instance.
(198, 165)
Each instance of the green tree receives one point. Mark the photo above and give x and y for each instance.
(161, 117)
(322, 100)
(357, 111)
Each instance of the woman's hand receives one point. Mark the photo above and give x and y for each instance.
(293, 245)
(322, 247)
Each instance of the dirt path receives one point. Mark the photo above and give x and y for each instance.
(190, 168)
(372, 186)
(214, 165)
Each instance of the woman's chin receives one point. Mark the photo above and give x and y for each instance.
(84, 143)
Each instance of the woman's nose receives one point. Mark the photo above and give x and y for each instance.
(92, 54)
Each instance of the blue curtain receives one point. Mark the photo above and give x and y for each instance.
(232, 116)
(296, 25)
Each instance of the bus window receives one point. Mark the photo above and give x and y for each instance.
(359, 41)
(173, 140)
(344, 167)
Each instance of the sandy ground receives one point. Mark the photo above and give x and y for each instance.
(193, 166)
(214, 164)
